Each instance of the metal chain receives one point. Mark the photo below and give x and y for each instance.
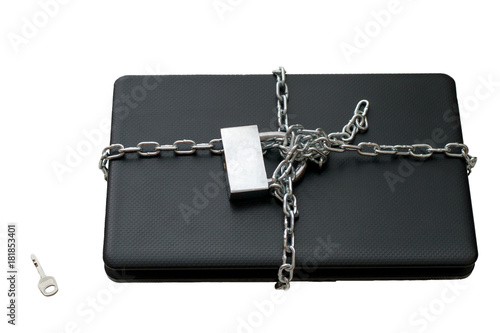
(180, 147)
(282, 188)
(420, 151)
(282, 98)
(297, 147)
(301, 145)
(358, 123)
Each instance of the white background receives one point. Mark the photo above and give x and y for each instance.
(56, 84)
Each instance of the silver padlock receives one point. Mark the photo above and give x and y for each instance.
(244, 161)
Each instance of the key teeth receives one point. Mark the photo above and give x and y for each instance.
(35, 260)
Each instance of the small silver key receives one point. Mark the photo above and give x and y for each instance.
(47, 284)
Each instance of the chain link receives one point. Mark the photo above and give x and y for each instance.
(179, 147)
(301, 145)
(281, 98)
(358, 123)
(297, 147)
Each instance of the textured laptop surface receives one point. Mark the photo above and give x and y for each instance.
(168, 217)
